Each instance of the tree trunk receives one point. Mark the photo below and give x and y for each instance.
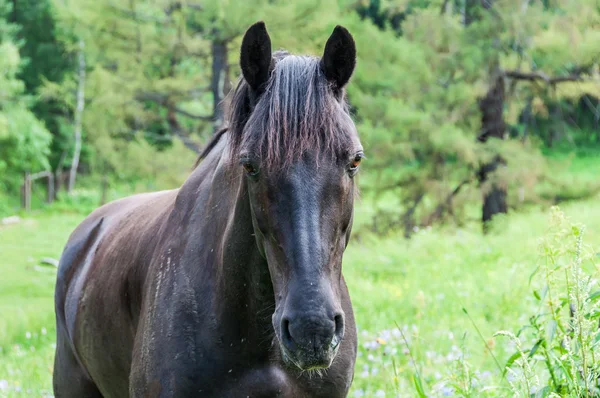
(15, 17)
(78, 117)
(58, 173)
(220, 84)
(179, 131)
(494, 199)
(408, 217)
(469, 11)
(27, 192)
(104, 190)
(50, 197)
(493, 126)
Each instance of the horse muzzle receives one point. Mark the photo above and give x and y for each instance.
(310, 342)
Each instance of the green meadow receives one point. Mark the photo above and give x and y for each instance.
(425, 307)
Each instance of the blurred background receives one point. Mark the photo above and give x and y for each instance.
(477, 117)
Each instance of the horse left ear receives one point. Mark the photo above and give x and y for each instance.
(339, 57)
(255, 56)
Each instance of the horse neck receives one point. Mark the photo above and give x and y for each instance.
(243, 282)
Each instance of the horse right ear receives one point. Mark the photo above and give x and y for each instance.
(255, 56)
(339, 57)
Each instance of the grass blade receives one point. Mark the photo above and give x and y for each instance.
(484, 342)
(417, 376)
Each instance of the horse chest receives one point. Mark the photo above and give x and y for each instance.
(260, 381)
(222, 373)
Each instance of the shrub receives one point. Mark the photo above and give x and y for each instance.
(564, 356)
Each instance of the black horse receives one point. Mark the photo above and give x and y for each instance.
(232, 285)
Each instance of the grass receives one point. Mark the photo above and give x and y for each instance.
(442, 288)
(26, 301)
(411, 300)
(570, 177)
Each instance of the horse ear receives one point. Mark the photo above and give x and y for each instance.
(339, 57)
(255, 56)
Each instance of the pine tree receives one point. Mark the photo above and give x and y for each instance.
(24, 140)
(435, 103)
(43, 59)
(161, 69)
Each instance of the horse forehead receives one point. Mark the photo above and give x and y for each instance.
(306, 173)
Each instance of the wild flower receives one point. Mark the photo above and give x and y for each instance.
(524, 378)
(555, 354)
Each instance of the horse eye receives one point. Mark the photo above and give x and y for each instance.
(356, 161)
(250, 169)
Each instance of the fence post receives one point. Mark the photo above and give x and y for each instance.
(104, 190)
(27, 200)
(23, 204)
(50, 187)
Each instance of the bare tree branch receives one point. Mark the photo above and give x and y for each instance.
(78, 116)
(164, 100)
(136, 16)
(398, 184)
(207, 118)
(407, 217)
(534, 76)
(178, 6)
(447, 203)
(152, 96)
(180, 133)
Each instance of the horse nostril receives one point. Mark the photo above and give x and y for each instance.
(286, 336)
(339, 330)
(317, 334)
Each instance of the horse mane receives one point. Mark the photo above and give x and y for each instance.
(211, 144)
(297, 111)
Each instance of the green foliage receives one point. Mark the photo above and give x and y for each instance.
(416, 96)
(44, 60)
(422, 67)
(150, 65)
(24, 140)
(156, 71)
